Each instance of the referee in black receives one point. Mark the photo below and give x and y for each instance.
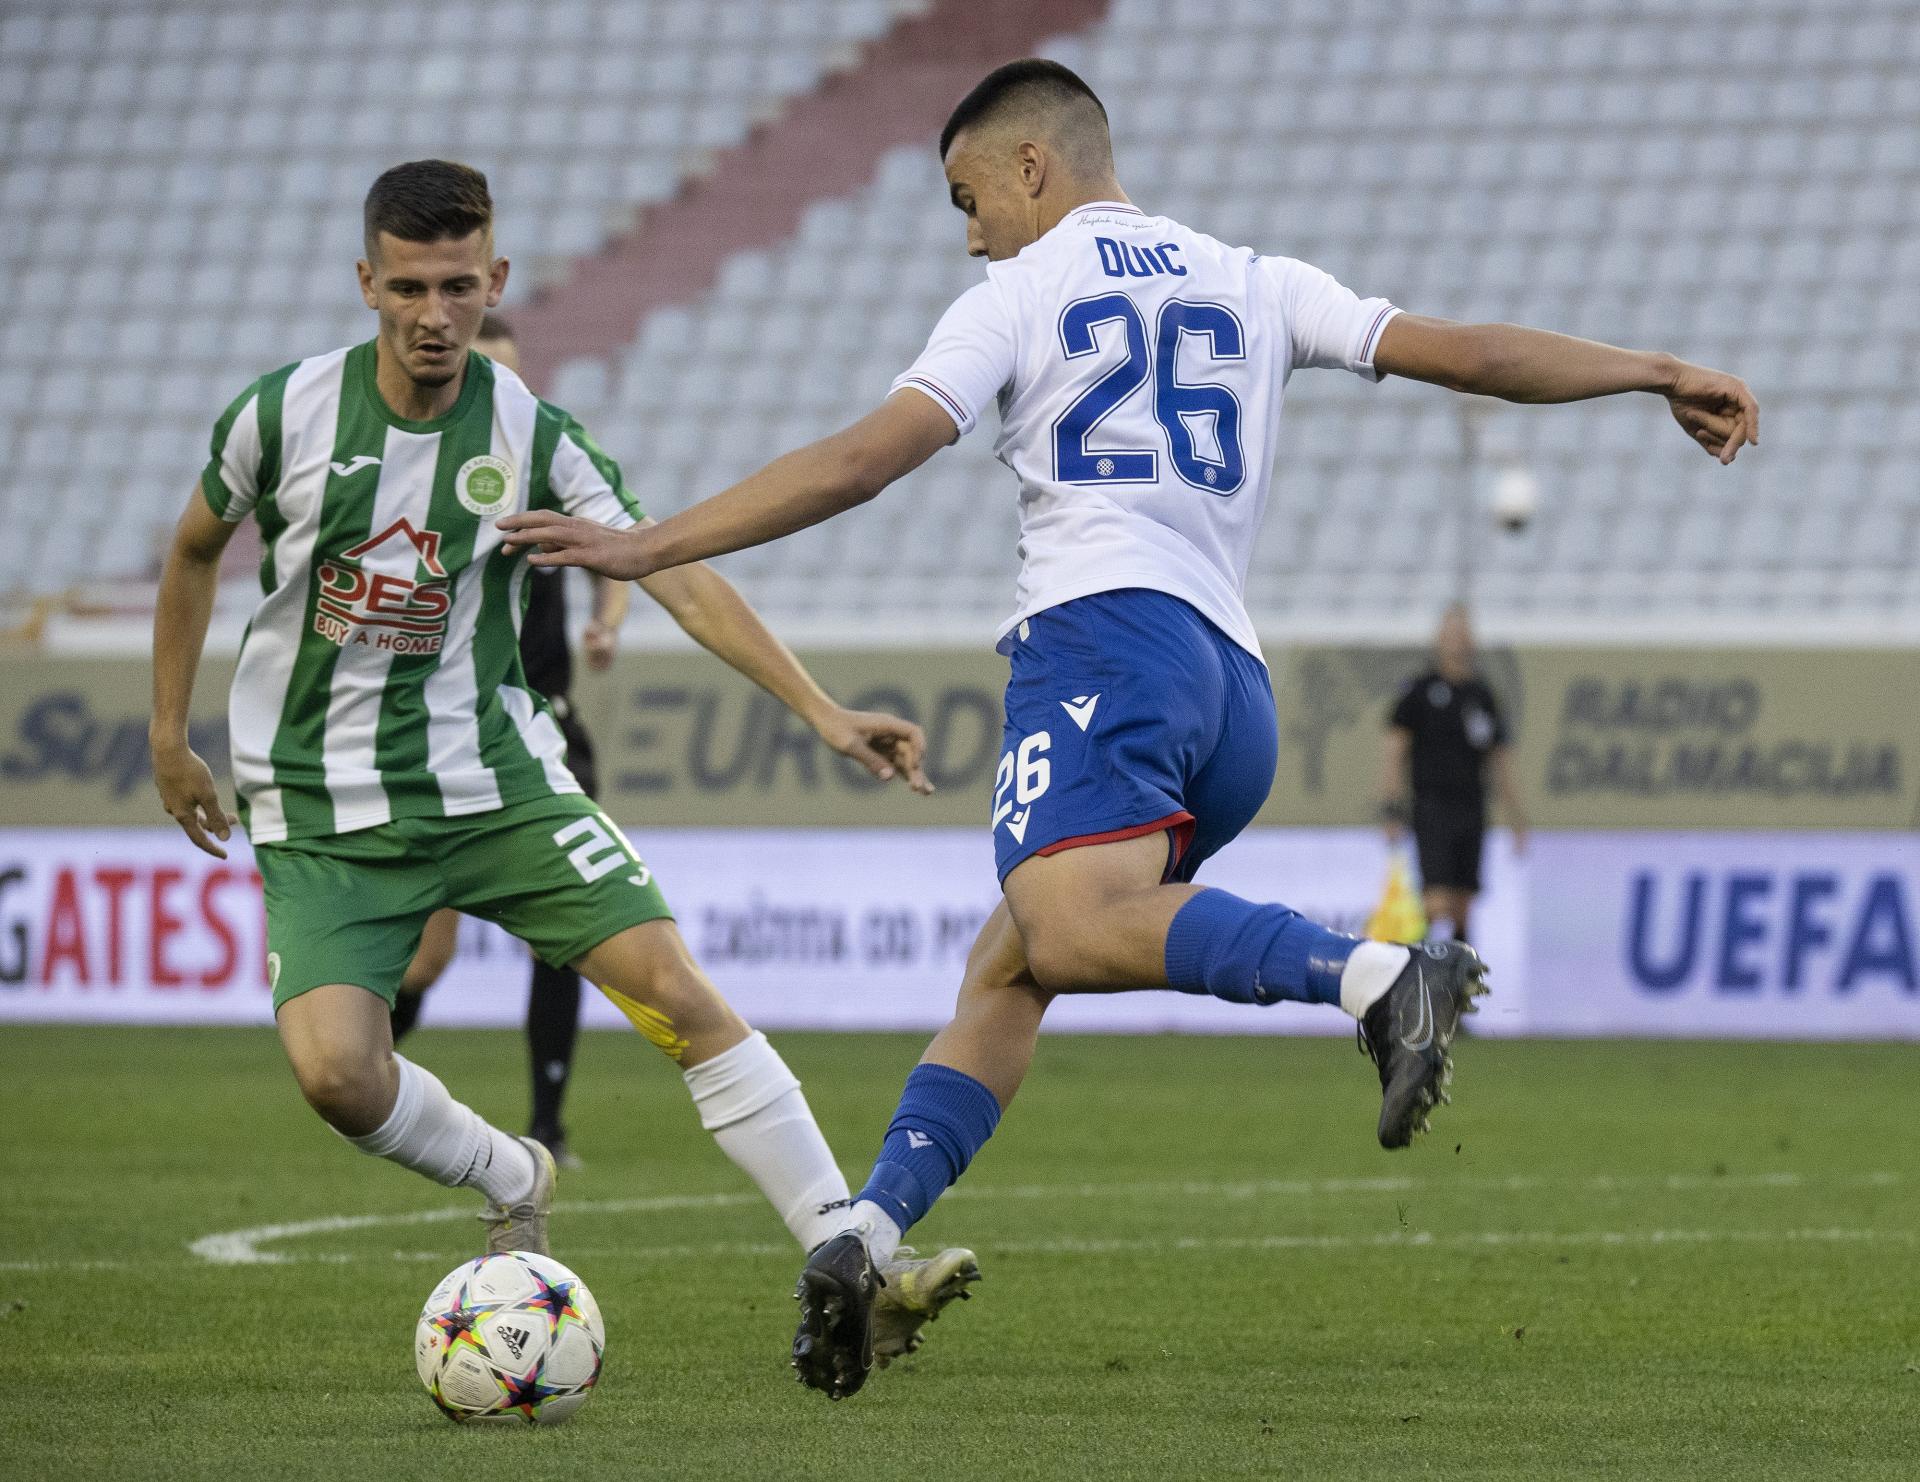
(553, 998)
(1446, 740)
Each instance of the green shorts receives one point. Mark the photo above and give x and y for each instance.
(349, 908)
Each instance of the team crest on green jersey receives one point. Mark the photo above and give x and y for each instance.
(379, 609)
(484, 485)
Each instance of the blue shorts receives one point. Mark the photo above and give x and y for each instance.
(1128, 713)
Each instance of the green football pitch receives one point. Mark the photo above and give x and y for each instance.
(1610, 1260)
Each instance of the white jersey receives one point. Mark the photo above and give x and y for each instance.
(1140, 367)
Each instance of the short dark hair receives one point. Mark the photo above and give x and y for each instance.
(495, 327)
(428, 201)
(1029, 80)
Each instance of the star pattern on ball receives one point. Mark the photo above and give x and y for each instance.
(457, 1324)
(526, 1394)
(553, 1298)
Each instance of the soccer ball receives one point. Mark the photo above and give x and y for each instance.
(512, 1336)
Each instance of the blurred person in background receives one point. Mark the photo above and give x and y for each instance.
(1446, 739)
(553, 996)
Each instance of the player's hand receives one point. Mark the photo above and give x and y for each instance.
(599, 643)
(190, 798)
(883, 744)
(564, 540)
(1715, 409)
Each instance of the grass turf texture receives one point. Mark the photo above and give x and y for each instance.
(1611, 1260)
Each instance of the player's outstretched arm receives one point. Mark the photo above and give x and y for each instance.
(794, 491)
(181, 612)
(1534, 365)
(714, 614)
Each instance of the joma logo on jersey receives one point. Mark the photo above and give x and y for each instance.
(379, 609)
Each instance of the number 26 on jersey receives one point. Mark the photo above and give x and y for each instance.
(1200, 418)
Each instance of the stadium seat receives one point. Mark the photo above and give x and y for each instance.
(239, 139)
(1526, 161)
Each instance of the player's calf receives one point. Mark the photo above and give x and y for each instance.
(745, 1094)
(336, 1041)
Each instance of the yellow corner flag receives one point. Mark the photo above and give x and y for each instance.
(1398, 917)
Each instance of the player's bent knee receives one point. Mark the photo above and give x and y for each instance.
(350, 1091)
(650, 976)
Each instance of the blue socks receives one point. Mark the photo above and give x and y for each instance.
(944, 1118)
(1218, 944)
(1244, 953)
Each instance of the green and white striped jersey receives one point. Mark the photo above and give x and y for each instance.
(380, 677)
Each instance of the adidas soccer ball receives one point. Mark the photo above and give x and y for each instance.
(506, 1337)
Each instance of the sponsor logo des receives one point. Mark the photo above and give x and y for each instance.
(381, 609)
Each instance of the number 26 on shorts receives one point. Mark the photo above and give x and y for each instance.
(1029, 774)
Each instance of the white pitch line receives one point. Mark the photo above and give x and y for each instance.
(1181, 1244)
(65, 1265)
(243, 1247)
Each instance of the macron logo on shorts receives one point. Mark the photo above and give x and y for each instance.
(1080, 708)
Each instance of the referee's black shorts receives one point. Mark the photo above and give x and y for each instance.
(1448, 835)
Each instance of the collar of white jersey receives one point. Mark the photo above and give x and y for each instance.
(1111, 208)
(1074, 218)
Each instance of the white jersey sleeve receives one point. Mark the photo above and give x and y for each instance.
(970, 357)
(1329, 326)
(231, 481)
(584, 481)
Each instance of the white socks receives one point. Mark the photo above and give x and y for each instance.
(1369, 973)
(431, 1133)
(751, 1103)
(882, 1234)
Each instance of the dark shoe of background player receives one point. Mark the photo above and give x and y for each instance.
(554, 1140)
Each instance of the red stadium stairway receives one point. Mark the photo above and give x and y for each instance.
(825, 144)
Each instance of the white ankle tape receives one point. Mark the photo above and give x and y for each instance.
(1369, 973)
